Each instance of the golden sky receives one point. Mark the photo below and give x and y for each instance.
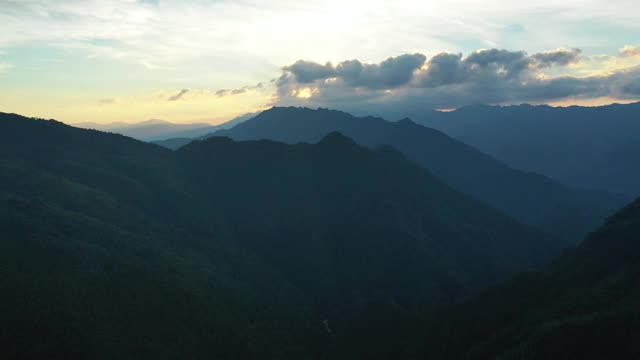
(124, 60)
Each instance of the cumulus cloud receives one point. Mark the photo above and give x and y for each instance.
(196, 42)
(308, 72)
(483, 66)
(178, 96)
(411, 82)
(444, 69)
(560, 57)
(392, 72)
(629, 51)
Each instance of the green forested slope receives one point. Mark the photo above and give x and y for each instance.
(113, 248)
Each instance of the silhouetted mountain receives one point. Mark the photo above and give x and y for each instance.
(531, 198)
(151, 130)
(584, 306)
(115, 248)
(587, 147)
(173, 143)
(178, 142)
(158, 130)
(237, 120)
(103, 127)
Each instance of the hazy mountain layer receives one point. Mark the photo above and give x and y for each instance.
(159, 130)
(588, 147)
(531, 198)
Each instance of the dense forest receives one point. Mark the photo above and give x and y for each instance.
(585, 305)
(116, 248)
(113, 246)
(319, 180)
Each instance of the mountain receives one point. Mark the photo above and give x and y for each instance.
(158, 130)
(116, 248)
(104, 127)
(173, 143)
(177, 142)
(529, 197)
(237, 120)
(151, 130)
(586, 147)
(584, 306)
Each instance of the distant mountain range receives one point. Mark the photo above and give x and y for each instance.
(587, 147)
(222, 249)
(531, 198)
(157, 130)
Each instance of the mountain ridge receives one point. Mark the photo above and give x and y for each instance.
(585, 147)
(156, 130)
(589, 296)
(236, 249)
(527, 196)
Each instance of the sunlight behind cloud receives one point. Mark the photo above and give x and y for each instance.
(304, 93)
(120, 48)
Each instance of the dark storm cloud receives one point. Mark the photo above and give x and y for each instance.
(178, 96)
(409, 82)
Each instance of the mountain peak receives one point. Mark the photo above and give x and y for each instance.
(296, 110)
(337, 139)
(406, 121)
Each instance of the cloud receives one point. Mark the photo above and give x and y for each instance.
(408, 83)
(506, 58)
(5, 68)
(560, 57)
(483, 66)
(226, 92)
(444, 69)
(392, 72)
(166, 31)
(178, 96)
(239, 91)
(200, 43)
(491, 65)
(629, 51)
(307, 72)
(108, 101)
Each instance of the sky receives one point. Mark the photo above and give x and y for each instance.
(211, 60)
